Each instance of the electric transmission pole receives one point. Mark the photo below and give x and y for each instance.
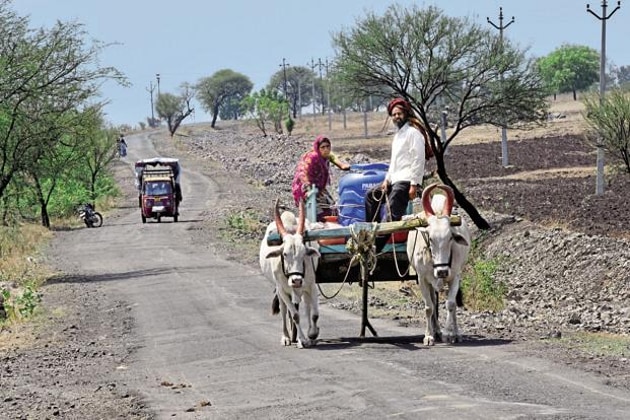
(501, 28)
(284, 66)
(599, 184)
(313, 65)
(328, 95)
(150, 90)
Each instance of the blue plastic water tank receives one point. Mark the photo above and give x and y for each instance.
(354, 186)
(375, 166)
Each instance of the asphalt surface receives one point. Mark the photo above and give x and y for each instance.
(207, 345)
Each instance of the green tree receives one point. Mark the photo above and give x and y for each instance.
(220, 88)
(608, 121)
(53, 162)
(230, 109)
(82, 153)
(431, 59)
(43, 72)
(98, 142)
(175, 108)
(299, 87)
(265, 108)
(622, 76)
(570, 68)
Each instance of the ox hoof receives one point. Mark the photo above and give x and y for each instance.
(303, 344)
(429, 340)
(286, 341)
(452, 339)
(313, 334)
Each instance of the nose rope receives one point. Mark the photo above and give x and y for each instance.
(448, 264)
(290, 273)
(425, 236)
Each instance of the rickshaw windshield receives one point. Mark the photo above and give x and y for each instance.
(158, 188)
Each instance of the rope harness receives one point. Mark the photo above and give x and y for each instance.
(291, 273)
(425, 237)
(361, 246)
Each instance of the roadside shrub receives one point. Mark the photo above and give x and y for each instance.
(244, 222)
(20, 273)
(290, 124)
(18, 305)
(482, 292)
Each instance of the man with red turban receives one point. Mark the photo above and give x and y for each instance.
(406, 167)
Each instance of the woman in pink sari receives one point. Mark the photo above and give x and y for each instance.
(313, 169)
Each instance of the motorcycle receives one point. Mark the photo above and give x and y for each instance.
(90, 217)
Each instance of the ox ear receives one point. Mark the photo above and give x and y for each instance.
(460, 240)
(274, 253)
(311, 252)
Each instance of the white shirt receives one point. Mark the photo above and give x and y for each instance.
(407, 161)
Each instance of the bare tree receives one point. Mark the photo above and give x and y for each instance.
(175, 108)
(433, 60)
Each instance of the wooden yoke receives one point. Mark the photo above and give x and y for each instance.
(410, 222)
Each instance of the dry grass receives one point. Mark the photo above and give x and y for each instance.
(19, 247)
(574, 172)
(377, 126)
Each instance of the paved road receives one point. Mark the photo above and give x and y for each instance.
(204, 333)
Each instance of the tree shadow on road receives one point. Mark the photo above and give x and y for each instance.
(127, 275)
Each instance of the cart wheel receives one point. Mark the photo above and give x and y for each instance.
(175, 218)
(144, 219)
(159, 219)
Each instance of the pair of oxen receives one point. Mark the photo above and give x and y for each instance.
(437, 253)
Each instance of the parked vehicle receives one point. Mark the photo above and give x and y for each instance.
(159, 190)
(90, 217)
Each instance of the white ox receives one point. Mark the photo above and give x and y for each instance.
(438, 254)
(292, 266)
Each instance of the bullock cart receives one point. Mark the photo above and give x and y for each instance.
(349, 254)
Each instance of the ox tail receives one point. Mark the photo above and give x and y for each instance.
(275, 305)
(459, 298)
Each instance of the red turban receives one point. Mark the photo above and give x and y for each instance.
(401, 103)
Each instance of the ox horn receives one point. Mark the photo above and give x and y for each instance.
(450, 199)
(426, 199)
(276, 216)
(301, 218)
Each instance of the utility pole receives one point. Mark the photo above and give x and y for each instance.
(328, 95)
(321, 83)
(284, 66)
(313, 65)
(599, 183)
(157, 76)
(501, 27)
(150, 90)
(299, 100)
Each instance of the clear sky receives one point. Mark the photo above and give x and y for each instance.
(186, 40)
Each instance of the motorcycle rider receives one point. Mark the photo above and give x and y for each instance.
(121, 145)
